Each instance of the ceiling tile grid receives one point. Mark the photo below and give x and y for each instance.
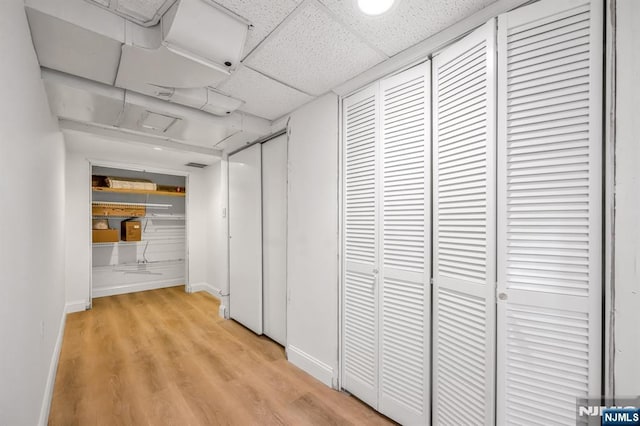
(312, 51)
(409, 22)
(265, 16)
(264, 97)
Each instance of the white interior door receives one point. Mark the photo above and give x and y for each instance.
(245, 233)
(464, 235)
(405, 296)
(274, 235)
(549, 210)
(360, 279)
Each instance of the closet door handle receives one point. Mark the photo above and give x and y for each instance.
(374, 282)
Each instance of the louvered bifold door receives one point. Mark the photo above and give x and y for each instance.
(405, 292)
(464, 230)
(549, 210)
(360, 286)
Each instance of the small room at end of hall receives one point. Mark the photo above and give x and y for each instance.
(318, 212)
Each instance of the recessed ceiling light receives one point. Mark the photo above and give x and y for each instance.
(157, 148)
(374, 7)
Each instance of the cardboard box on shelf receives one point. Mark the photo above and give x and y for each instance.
(105, 236)
(131, 230)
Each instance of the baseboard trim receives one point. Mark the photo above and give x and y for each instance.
(75, 306)
(131, 288)
(215, 292)
(51, 377)
(311, 365)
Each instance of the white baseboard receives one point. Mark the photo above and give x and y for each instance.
(75, 306)
(311, 365)
(131, 288)
(215, 292)
(51, 377)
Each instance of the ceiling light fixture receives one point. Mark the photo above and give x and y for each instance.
(374, 7)
(157, 148)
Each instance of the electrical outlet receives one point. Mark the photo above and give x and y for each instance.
(224, 212)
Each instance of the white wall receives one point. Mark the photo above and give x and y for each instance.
(627, 225)
(198, 196)
(312, 242)
(32, 189)
(78, 242)
(217, 266)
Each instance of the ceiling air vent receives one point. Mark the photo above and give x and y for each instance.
(158, 122)
(196, 165)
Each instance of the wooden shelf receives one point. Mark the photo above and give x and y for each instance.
(113, 243)
(165, 217)
(138, 191)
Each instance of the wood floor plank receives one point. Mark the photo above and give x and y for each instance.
(164, 357)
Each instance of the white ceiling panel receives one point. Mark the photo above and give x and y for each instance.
(66, 47)
(264, 97)
(264, 16)
(408, 23)
(311, 51)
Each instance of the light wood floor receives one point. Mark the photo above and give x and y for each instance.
(164, 357)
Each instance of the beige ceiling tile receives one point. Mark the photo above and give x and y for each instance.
(408, 22)
(313, 52)
(263, 15)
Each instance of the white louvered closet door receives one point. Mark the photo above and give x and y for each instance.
(405, 268)
(360, 294)
(549, 207)
(464, 230)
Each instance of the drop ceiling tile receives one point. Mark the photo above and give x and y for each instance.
(264, 97)
(264, 16)
(312, 52)
(409, 22)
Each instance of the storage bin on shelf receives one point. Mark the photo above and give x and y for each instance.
(131, 230)
(105, 236)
